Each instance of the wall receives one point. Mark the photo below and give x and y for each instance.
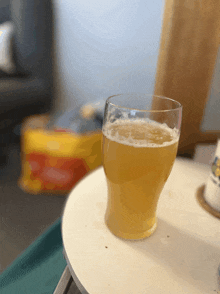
(105, 47)
(211, 121)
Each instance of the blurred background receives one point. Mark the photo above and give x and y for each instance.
(58, 55)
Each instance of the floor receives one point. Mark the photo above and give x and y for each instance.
(24, 217)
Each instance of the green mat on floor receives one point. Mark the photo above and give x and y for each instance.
(39, 268)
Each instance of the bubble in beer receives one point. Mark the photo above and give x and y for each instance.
(140, 133)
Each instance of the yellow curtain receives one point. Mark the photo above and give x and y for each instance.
(188, 51)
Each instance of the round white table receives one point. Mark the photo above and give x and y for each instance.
(182, 256)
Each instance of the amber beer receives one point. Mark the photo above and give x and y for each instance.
(137, 156)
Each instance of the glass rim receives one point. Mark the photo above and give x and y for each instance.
(179, 106)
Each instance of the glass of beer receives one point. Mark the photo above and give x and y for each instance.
(140, 140)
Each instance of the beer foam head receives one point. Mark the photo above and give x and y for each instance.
(140, 133)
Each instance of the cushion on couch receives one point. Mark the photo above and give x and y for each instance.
(33, 21)
(5, 14)
(6, 56)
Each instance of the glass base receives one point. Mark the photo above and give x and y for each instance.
(135, 236)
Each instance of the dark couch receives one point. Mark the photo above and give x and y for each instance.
(29, 90)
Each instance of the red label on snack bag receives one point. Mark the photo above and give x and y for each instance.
(56, 173)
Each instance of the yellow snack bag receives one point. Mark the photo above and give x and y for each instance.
(55, 158)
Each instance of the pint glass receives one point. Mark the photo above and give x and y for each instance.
(140, 140)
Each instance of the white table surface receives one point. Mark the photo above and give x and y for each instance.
(182, 256)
